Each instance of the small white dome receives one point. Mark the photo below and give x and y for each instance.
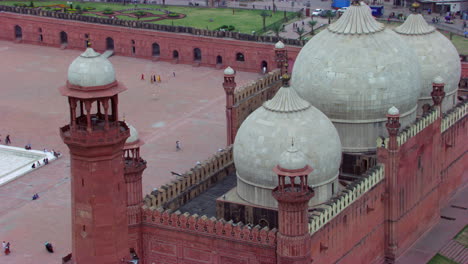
(279, 45)
(353, 72)
(91, 69)
(133, 134)
(436, 55)
(292, 159)
(438, 80)
(229, 71)
(393, 111)
(267, 132)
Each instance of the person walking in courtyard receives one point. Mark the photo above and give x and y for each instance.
(159, 78)
(7, 140)
(173, 73)
(49, 247)
(7, 248)
(3, 245)
(177, 145)
(142, 76)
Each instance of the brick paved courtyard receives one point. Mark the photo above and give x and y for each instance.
(188, 107)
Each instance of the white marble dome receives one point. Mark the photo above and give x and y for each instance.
(353, 72)
(133, 134)
(268, 131)
(437, 57)
(229, 71)
(91, 69)
(292, 159)
(279, 45)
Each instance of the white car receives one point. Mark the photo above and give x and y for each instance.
(341, 10)
(317, 12)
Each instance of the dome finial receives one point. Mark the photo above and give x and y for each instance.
(286, 79)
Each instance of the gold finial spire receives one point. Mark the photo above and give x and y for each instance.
(286, 79)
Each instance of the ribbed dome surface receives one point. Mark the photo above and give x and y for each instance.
(355, 78)
(267, 132)
(356, 20)
(292, 159)
(437, 57)
(91, 69)
(415, 25)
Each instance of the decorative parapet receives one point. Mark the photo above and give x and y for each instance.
(454, 115)
(198, 174)
(412, 129)
(150, 26)
(327, 212)
(209, 226)
(243, 92)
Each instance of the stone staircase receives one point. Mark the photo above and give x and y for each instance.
(456, 252)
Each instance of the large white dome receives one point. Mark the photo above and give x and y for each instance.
(91, 69)
(265, 134)
(437, 57)
(354, 71)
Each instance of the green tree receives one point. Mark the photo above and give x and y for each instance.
(299, 14)
(139, 14)
(312, 24)
(264, 14)
(300, 31)
(277, 28)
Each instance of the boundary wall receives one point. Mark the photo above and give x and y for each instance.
(190, 184)
(175, 47)
(183, 238)
(249, 97)
(350, 228)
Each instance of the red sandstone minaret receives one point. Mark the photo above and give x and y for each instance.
(293, 195)
(134, 167)
(281, 55)
(229, 86)
(438, 93)
(96, 138)
(391, 240)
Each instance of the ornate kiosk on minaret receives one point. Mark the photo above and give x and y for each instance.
(293, 195)
(96, 139)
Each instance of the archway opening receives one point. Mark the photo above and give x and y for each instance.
(175, 54)
(63, 38)
(41, 38)
(109, 43)
(197, 56)
(157, 50)
(264, 67)
(240, 57)
(18, 32)
(219, 60)
(86, 40)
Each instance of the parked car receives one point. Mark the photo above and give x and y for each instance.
(341, 10)
(317, 12)
(324, 13)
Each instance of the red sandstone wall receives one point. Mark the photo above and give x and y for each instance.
(454, 161)
(168, 246)
(356, 235)
(254, 53)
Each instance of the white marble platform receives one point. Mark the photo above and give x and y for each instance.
(15, 162)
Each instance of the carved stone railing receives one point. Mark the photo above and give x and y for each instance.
(150, 26)
(209, 226)
(244, 92)
(190, 180)
(411, 130)
(454, 115)
(355, 190)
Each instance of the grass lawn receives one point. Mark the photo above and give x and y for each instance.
(244, 21)
(462, 236)
(439, 259)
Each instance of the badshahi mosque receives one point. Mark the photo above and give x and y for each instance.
(348, 158)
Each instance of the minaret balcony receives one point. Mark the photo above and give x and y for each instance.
(100, 132)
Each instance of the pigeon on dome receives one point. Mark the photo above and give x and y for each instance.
(229, 71)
